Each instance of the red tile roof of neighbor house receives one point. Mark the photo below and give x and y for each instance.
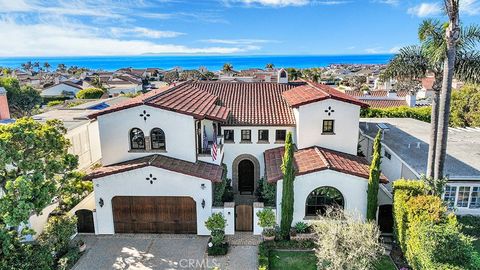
(198, 169)
(313, 92)
(182, 98)
(253, 103)
(385, 103)
(314, 159)
(375, 93)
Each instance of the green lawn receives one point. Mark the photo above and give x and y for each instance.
(297, 260)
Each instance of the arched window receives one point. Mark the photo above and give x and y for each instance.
(137, 139)
(283, 74)
(322, 198)
(157, 137)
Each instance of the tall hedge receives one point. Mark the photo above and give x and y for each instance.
(419, 113)
(428, 235)
(288, 170)
(374, 178)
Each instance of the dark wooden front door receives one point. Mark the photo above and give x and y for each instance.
(85, 221)
(246, 175)
(154, 215)
(244, 218)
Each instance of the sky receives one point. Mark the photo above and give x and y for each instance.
(215, 27)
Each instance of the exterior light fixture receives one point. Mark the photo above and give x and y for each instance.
(100, 202)
(203, 203)
(202, 186)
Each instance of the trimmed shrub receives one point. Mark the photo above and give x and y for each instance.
(470, 225)
(266, 218)
(266, 192)
(219, 188)
(419, 113)
(54, 103)
(429, 237)
(90, 93)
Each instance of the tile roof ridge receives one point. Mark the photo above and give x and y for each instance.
(315, 85)
(169, 90)
(322, 157)
(152, 159)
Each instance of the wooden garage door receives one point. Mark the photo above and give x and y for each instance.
(154, 215)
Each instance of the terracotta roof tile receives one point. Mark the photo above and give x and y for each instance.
(258, 103)
(385, 103)
(376, 93)
(183, 98)
(313, 92)
(315, 159)
(199, 169)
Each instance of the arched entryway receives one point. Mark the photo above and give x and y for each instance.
(245, 174)
(85, 221)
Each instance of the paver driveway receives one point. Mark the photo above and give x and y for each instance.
(143, 252)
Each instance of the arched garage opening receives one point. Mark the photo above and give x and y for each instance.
(85, 221)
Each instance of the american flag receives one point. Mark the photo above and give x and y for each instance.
(214, 146)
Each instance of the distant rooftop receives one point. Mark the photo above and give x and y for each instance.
(76, 116)
(408, 138)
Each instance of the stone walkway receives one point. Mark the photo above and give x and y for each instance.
(243, 252)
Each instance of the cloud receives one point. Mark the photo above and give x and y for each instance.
(282, 3)
(143, 32)
(425, 9)
(64, 38)
(470, 7)
(388, 2)
(206, 16)
(238, 41)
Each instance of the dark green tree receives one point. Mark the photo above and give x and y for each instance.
(22, 100)
(374, 178)
(288, 169)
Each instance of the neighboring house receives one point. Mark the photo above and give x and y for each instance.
(123, 85)
(405, 152)
(385, 99)
(4, 110)
(65, 88)
(160, 164)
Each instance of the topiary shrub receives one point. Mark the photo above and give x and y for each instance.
(216, 224)
(90, 93)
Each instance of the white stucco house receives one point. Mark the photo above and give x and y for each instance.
(160, 164)
(65, 88)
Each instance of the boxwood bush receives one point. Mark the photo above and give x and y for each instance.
(90, 93)
(428, 235)
(419, 113)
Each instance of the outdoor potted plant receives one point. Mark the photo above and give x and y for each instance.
(301, 231)
(81, 245)
(217, 245)
(266, 220)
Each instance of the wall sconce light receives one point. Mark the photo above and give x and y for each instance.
(100, 202)
(202, 186)
(203, 203)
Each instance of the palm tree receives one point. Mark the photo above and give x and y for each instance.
(61, 67)
(47, 66)
(269, 66)
(227, 68)
(414, 62)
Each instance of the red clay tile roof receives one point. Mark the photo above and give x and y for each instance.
(198, 169)
(258, 103)
(183, 98)
(314, 159)
(313, 92)
(385, 103)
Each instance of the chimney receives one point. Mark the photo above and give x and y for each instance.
(411, 99)
(282, 76)
(4, 111)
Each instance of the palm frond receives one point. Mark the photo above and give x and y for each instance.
(467, 67)
(470, 37)
(409, 63)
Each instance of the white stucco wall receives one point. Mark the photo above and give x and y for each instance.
(353, 189)
(133, 183)
(115, 129)
(309, 119)
(85, 142)
(256, 149)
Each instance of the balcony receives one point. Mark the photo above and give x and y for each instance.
(205, 153)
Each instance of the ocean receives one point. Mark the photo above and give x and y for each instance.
(110, 63)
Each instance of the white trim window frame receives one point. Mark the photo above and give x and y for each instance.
(464, 200)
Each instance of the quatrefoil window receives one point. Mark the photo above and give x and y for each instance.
(329, 111)
(150, 179)
(145, 115)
